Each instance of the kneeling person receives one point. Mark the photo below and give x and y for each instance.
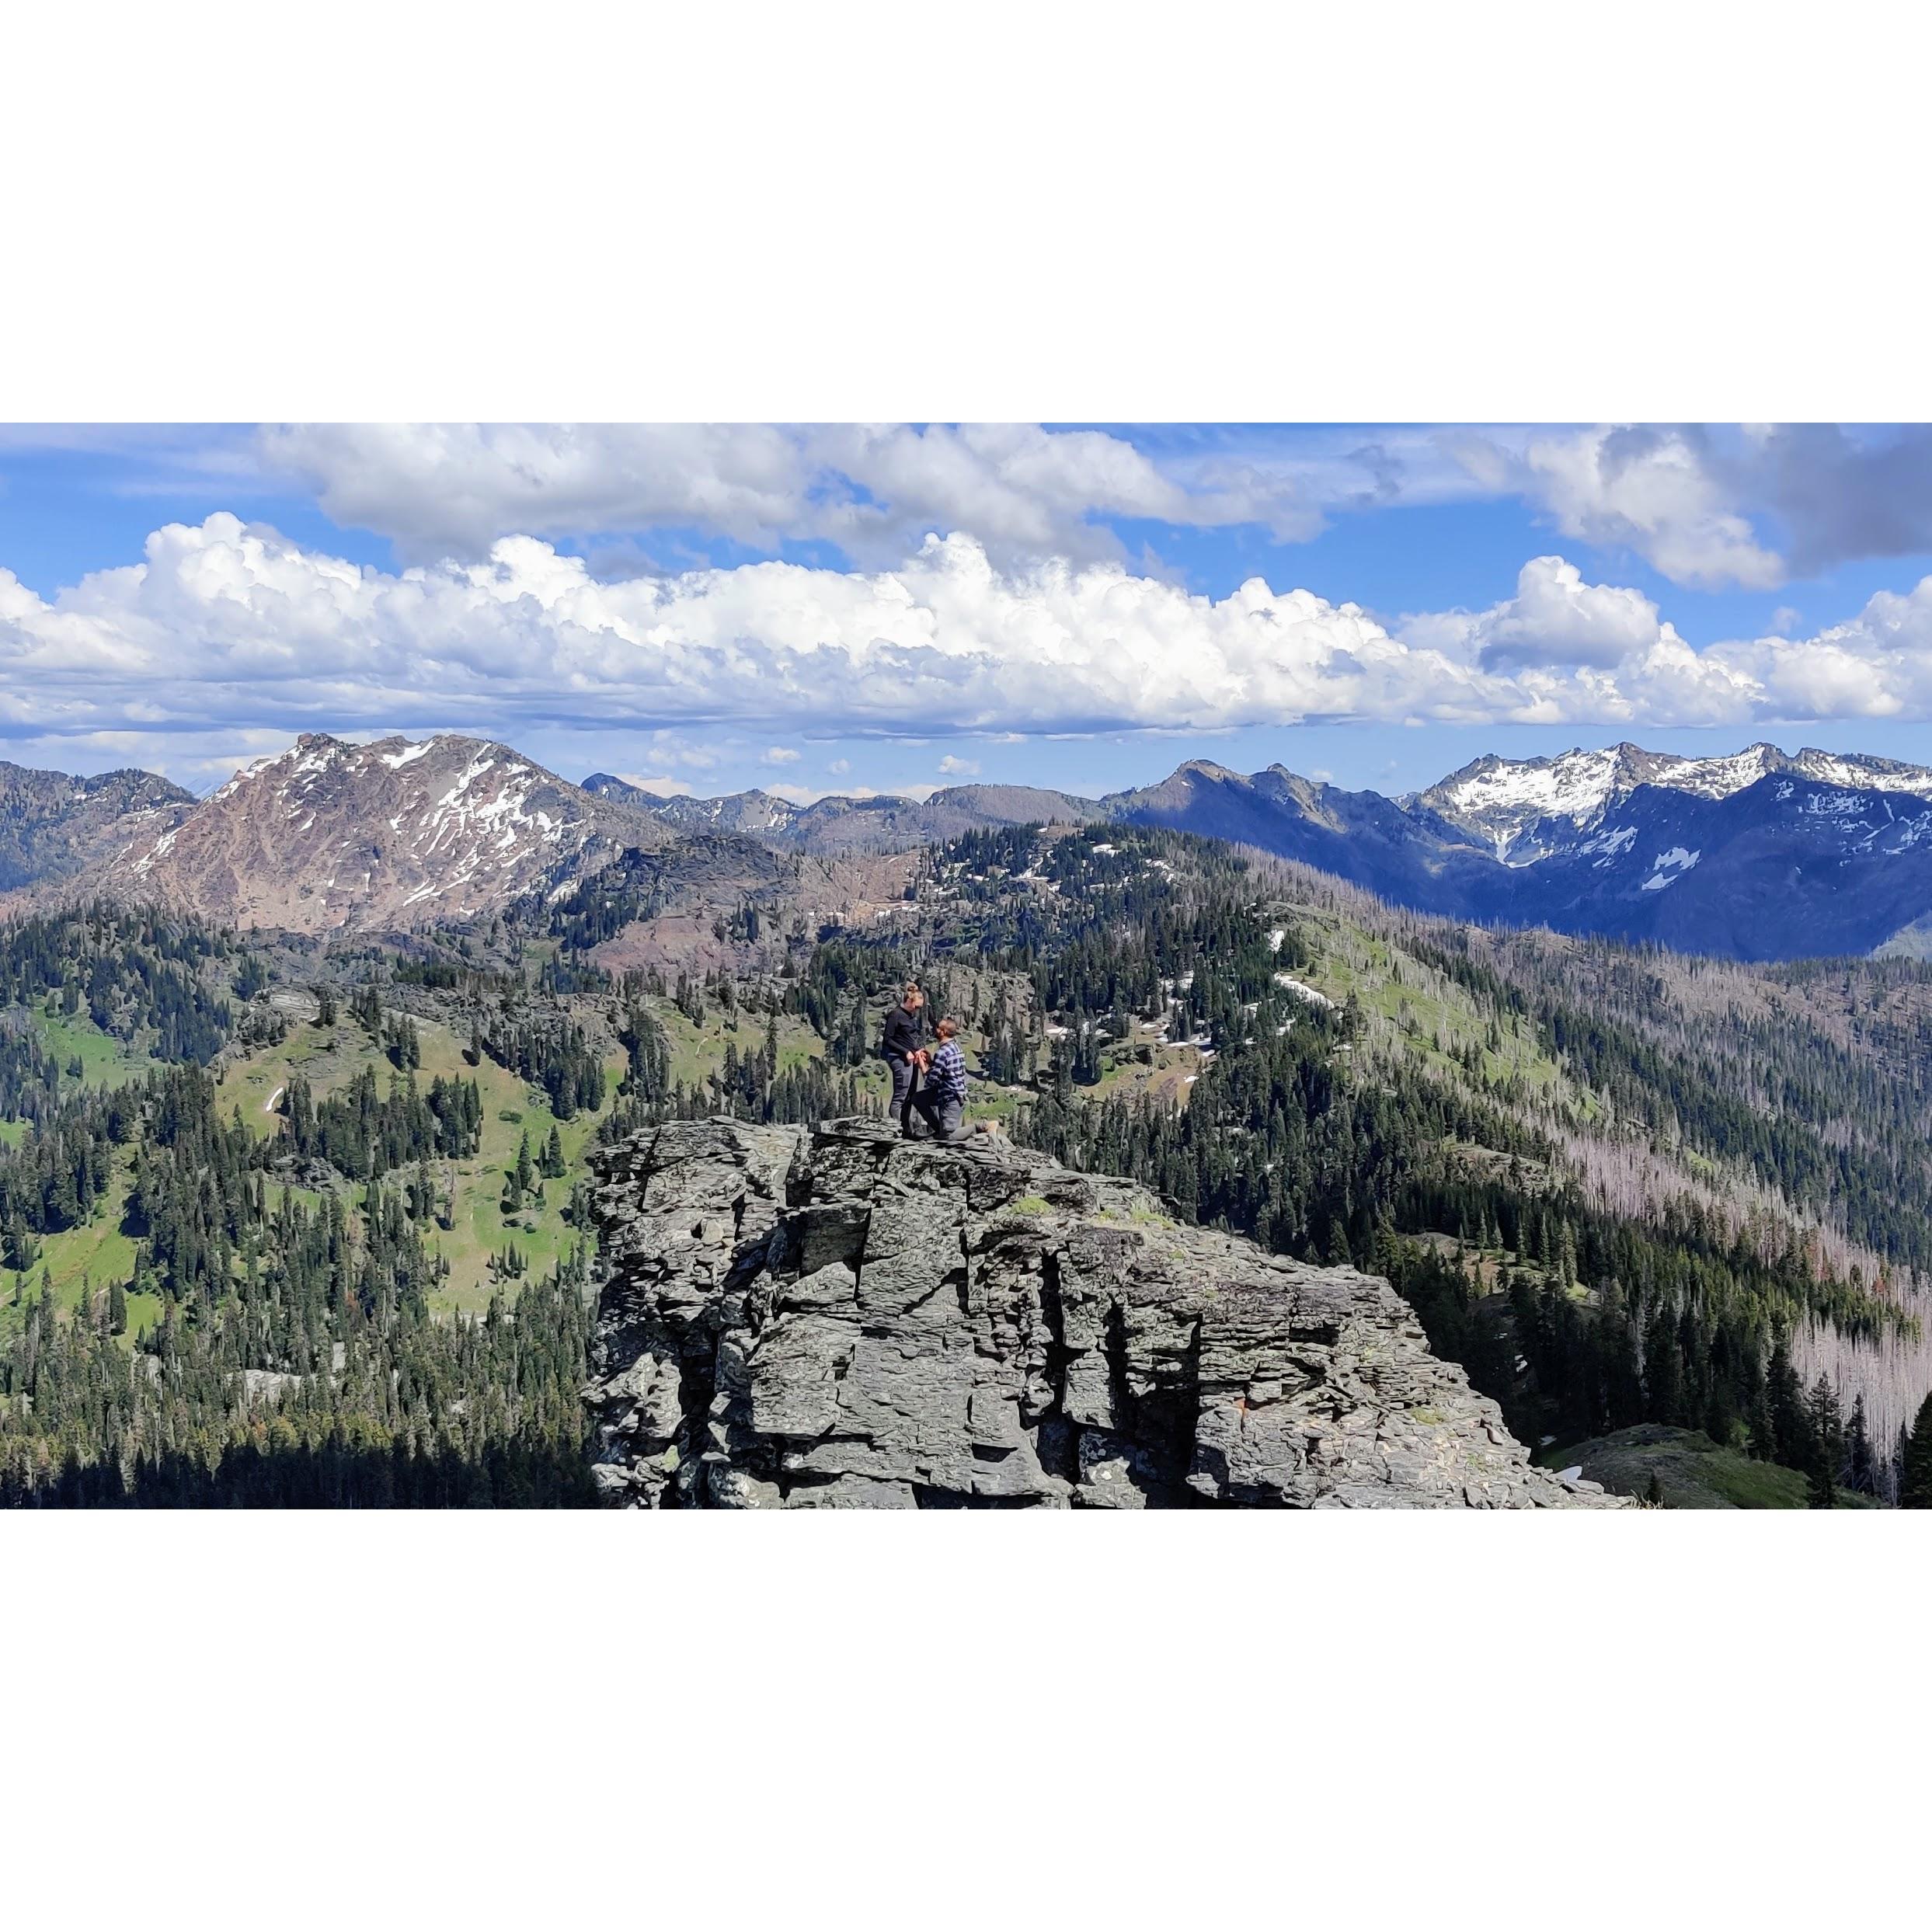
(941, 1099)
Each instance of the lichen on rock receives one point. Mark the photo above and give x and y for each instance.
(837, 1318)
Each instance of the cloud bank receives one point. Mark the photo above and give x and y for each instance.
(451, 490)
(227, 625)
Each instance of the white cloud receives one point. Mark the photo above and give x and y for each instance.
(1656, 492)
(959, 767)
(453, 490)
(839, 765)
(659, 786)
(1687, 500)
(810, 795)
(678, 748)
(226, 631)
(778, 754)
(1555, 617)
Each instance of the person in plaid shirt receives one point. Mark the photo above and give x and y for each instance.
(942, 1097)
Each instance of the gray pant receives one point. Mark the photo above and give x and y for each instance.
(945, 1117)
(905, 1090)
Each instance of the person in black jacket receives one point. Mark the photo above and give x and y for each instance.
(904, 1046)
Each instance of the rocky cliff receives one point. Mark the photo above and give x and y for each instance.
(799, 1318)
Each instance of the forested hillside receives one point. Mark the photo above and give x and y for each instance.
(1621, 1187)
(294, 1221)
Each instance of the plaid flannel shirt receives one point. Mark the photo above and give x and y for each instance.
(946, 1078)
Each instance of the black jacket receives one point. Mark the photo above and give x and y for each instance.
(905, 1033)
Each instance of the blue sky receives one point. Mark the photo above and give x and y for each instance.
(826, 608)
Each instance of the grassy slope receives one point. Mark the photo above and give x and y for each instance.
(1407, 1005)
(329, 1059)
(105, 1060)
(1692, 1470)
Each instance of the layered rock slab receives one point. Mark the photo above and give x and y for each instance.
(836, 1318)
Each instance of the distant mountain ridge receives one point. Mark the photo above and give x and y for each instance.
(53, 826)
(386, 835)
(1760, 855)
(1504, 800)
(840, 823)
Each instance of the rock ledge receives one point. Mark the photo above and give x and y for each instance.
(804, 1319)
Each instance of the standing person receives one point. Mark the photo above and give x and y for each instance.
(941, 1100)
(904, 1046)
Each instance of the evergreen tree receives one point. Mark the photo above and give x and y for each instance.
(1792, 1442)
(1860, 1464)
(1828, 1439)
(1915, 1473)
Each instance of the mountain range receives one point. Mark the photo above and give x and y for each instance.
(1759, 855)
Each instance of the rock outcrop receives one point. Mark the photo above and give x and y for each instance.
(835, 1317)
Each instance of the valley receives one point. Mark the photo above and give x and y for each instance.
(1623, 1189)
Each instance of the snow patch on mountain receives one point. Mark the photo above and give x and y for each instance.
(449, 826)
(1836, 805)
(1857, 770)
(1505, 797)
(1667, 868)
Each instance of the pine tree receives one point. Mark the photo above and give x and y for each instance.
(1828, 1437)
(1863, 1477)
(1791, 1443)
(1915, 1467)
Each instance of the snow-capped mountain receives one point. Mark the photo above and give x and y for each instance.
(1760, 855)
(395, 833)
(1526, 808)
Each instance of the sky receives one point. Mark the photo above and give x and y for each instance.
(841, 608)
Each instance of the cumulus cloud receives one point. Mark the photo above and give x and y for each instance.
(452, 490)
(1657, 492)
(225, 628)
(1711, 508)
(959, 767)
(778, 754)
(1555, 617)
(1705, 506)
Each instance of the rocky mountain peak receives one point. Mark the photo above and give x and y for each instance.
(53, 824)
(395, 833)
(801, 1318)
